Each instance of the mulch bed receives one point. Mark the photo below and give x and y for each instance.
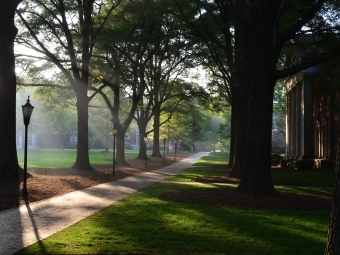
(45, 183)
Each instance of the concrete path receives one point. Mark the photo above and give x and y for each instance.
(20, 227)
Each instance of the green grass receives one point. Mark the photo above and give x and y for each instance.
(212, 160)
(195, 172)
(144, 224)
(318, 178)
(56, 158)
(221, 154)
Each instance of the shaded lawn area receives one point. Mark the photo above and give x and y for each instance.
(146, 223)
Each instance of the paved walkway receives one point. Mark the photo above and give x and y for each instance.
(20, 227)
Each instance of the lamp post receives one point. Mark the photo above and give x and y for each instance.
(114, 133)
(27, 110)
(164, 141)
(146, 156)
(175, 149)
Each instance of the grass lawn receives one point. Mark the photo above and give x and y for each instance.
(56, 158)
(318, 178)
(143, 224)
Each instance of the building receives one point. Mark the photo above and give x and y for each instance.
(311, 123)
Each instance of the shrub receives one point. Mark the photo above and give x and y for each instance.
(276, 156)
(185, 147)
(304, 164)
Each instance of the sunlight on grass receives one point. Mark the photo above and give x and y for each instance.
(56, 158)
(195, 172)
(328, 192)
(211, 160)
(142, 223)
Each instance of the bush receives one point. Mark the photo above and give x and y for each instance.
(304, 164)
(185, 147)
(276, 156)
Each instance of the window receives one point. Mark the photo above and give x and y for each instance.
(127, 139)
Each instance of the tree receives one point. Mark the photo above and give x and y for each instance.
(71, 30)
(263, 30)
(8, 156)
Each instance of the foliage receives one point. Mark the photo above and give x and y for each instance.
(279, 113)
(276, 156)
(186, 147)
(302, 164)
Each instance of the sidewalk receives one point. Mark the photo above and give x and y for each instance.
(20, 227)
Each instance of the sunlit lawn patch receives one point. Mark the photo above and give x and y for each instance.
(142, 223)
(57, 158)
(212, 160)
(195, 172)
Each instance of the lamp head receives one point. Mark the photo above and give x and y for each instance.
(114, 131)
(27, 110)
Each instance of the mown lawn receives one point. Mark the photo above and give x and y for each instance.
(57, 158)
(144, 224)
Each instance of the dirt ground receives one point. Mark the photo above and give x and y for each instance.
(46, 183)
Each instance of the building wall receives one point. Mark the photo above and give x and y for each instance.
(311, 122)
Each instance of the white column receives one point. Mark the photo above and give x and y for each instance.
(298, 120)
(287, 124)
(293, 127)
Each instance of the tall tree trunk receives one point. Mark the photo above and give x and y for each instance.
(256, 171)
(240, 133)
(155, 148)
(256, 176)
(333, 244)
(120, 150)
(240, 100)
(142, 134)
(232, 136)
(82, 156)
(8, 153)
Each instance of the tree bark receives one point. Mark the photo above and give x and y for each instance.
(240, 101)
(82, 156)
(232, 137)
(120, 151)
(256, 170)
(333, 244)
(8, 153)
(155, 148)
(142, 133)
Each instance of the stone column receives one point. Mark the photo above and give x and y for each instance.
(307, 117)
(293, 123)
(290, 124)
(287, 124)
(298, 120)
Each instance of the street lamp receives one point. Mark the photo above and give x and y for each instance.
(146, 156)
(164, 141)
(175, 149)
(27, 110)
(114, 133)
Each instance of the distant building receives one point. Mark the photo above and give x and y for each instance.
(312, 124)
(32, 141)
